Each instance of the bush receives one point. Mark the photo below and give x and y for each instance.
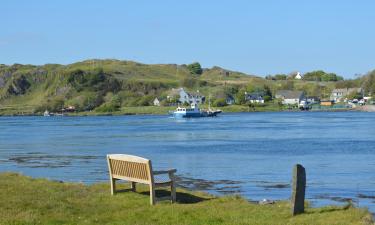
(220, 102)
(53, 105)
(240, 97)
(94, 80)
(108, 107)
(145, 101)
(195, 68)
(267, 98)
(91, 101)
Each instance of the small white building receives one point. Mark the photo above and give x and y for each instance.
(298, 76)
(156, 102)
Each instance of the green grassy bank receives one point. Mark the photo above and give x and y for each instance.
(144, 110)
(24, 200)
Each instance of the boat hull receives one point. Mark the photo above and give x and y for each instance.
(196, 115)
(187, 115)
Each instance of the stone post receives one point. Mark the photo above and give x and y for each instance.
(298, 189)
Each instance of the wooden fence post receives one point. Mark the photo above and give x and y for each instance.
(298, 189)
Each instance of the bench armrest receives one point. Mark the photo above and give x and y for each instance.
(169, 171)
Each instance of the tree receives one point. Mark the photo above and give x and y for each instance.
(368, 83)
(354, 95)
(287, 85)
(240, 97)
(220, 102)
(280, 76)
(195, 68)
(267, 93)
(314, 75)
(320, 75)
(188, 82)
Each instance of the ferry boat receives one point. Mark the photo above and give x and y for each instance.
(194, 111)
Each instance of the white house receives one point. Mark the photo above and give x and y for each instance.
(290, 97)
(255, 97)
(298, 76)
(156, 102)
(186, 97)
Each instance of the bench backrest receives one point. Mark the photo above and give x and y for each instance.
(130, 167)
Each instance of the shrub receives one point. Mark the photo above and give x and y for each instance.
(195, 68)
(220, 102)
(108, 107)
(145, 101)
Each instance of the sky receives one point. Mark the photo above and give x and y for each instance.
(258, 37)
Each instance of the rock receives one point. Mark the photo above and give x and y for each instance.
(298, 189)
(266, 202)
(366, 108)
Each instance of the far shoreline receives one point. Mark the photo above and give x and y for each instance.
(154, 110)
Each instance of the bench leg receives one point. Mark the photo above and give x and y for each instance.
(152, 195)
(173, 192)
(113, 186)
(133, 186)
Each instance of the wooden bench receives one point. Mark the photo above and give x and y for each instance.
(139, 170)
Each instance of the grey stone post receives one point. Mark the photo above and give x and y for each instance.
(298, 189)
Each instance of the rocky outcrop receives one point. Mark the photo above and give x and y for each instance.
(18, 86)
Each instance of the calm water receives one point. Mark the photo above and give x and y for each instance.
(248, 153)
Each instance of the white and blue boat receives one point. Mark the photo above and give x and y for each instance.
(194, 111)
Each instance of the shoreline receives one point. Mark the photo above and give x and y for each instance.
(153, 110)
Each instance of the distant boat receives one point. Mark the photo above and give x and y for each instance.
(47, 113)
(194, 111)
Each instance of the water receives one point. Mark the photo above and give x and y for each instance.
(251, 154)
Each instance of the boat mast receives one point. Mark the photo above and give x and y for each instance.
(209, 102)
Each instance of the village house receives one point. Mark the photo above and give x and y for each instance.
(290, 97)
(186, 97)
(230, 100)
(312, 99)
(298, 76)
(255, 97)
(156, 102)
(340, 95)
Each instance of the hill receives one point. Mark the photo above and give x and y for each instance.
(92, 83)
(108, 85)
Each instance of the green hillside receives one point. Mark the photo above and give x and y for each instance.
(93, 83)
(107, 86)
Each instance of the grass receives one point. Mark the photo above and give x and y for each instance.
(24, 200)
(143, 110)
(136, 110)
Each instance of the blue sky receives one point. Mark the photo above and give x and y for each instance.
(256, 37)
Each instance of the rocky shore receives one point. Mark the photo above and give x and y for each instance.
(366, 108)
